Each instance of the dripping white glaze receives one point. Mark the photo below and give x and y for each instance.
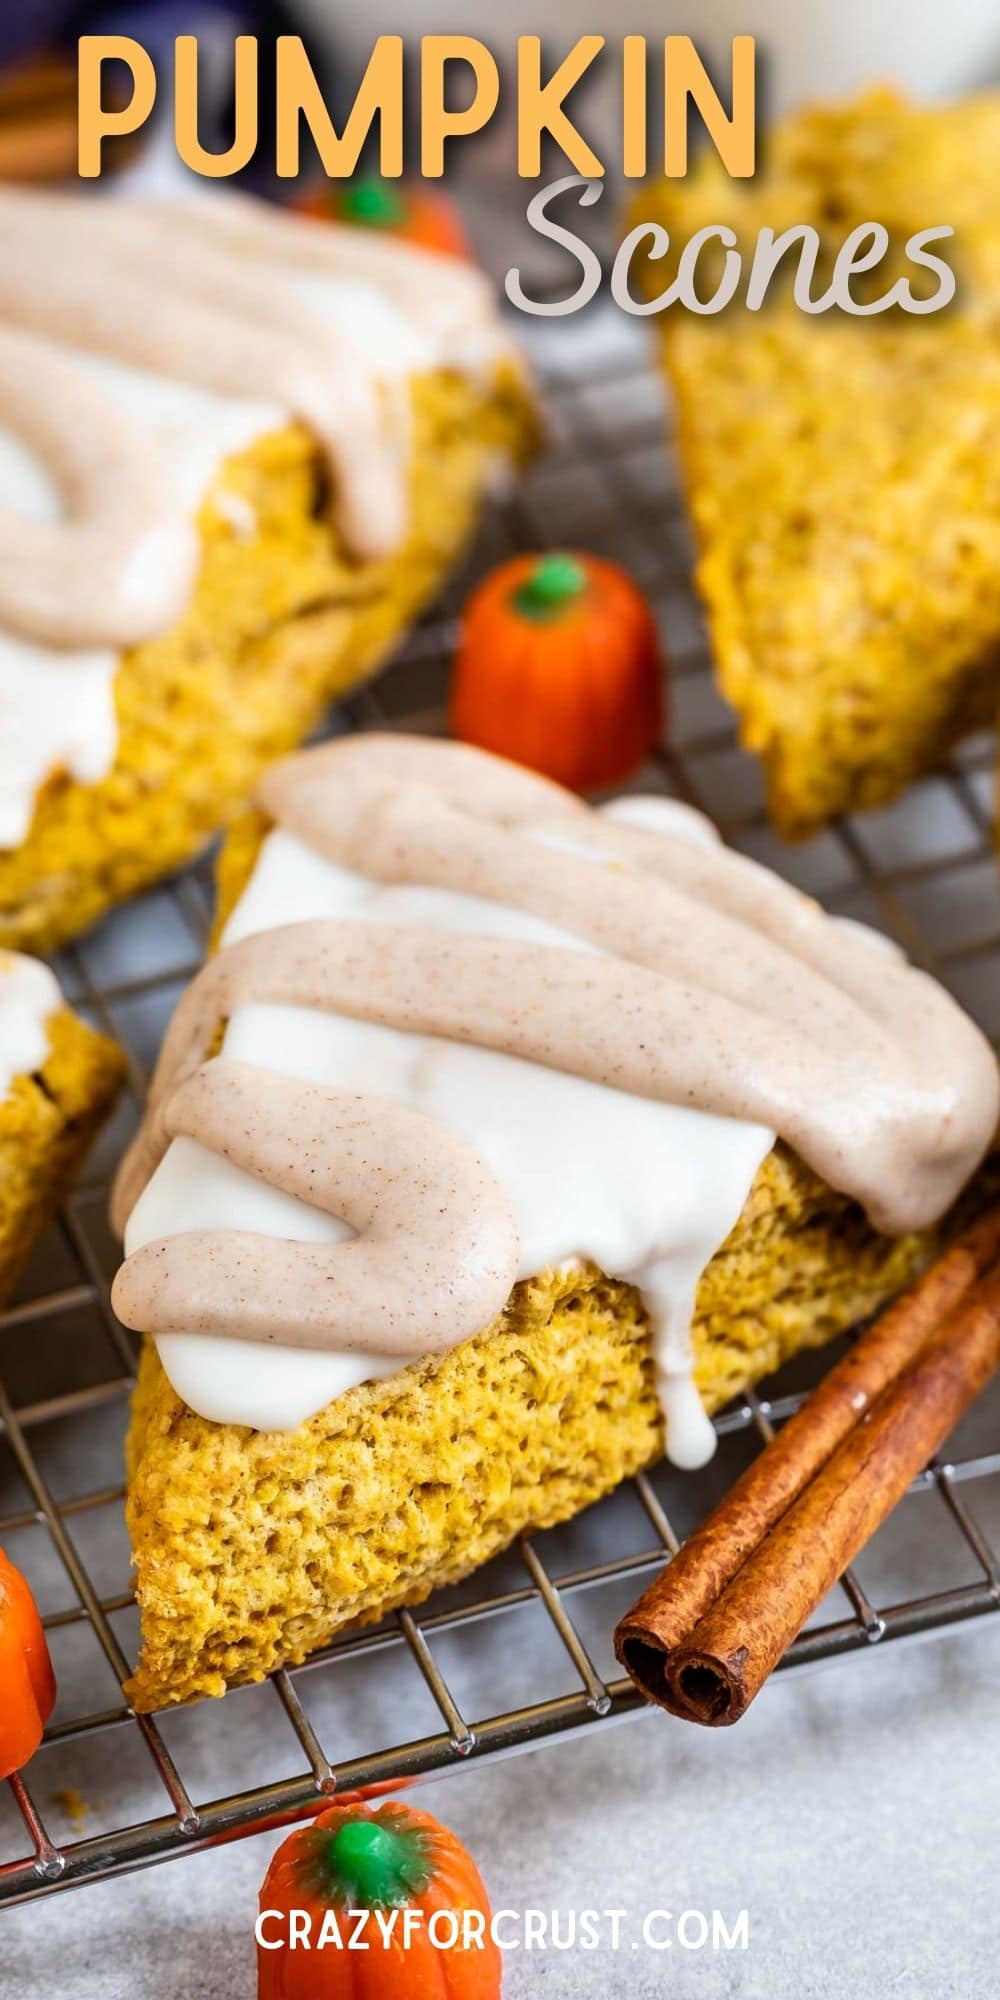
(28, 995)
(57, 703)
(622, 1108)
(141, 344)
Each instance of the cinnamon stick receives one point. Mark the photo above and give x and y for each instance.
(705, 1635)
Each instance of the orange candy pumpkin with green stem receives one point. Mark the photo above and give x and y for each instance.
(397, 208)
(392, 1860)
(560, 668)
(27, 1683)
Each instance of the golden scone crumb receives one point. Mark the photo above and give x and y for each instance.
(72, 1803)
(843, 474)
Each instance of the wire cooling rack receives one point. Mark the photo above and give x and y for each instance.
(521, 1653)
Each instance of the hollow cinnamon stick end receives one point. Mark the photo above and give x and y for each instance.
(708, 1688)
(644, 1659)
(697, 1687)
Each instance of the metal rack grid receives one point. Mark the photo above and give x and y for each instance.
(110, 1791)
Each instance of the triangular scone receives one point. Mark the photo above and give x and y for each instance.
(513, 1118)
(844, 473)
(50, 1111)
(251, 1549)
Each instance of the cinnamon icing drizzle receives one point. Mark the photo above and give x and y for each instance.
(228, 298)
(381, 1174)
(700, 981)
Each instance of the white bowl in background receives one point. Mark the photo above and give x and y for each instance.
(809, 48)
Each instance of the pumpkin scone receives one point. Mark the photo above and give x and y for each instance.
(239, 452)
(58, 1080)
(500, 1138)
(843, 474)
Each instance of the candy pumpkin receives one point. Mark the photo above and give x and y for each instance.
(401, 1867)
(27, 1683)
(405, 209)
(559, 667)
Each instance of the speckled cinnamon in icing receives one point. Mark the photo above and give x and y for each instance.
(140, 344)
(611, 1011)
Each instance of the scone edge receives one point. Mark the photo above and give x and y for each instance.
(47, 1123)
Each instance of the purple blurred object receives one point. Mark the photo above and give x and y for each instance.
(27, 28)
(29, 25)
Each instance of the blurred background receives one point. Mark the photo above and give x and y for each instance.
(807, 48)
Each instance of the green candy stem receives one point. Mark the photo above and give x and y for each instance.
(556, 581)
(376, 1867)
(374, 203)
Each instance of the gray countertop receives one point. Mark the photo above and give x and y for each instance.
(855, 1814)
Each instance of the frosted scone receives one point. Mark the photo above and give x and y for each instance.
(57, 1081)
(498, 1132)
(239, 451)
(844, 474)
